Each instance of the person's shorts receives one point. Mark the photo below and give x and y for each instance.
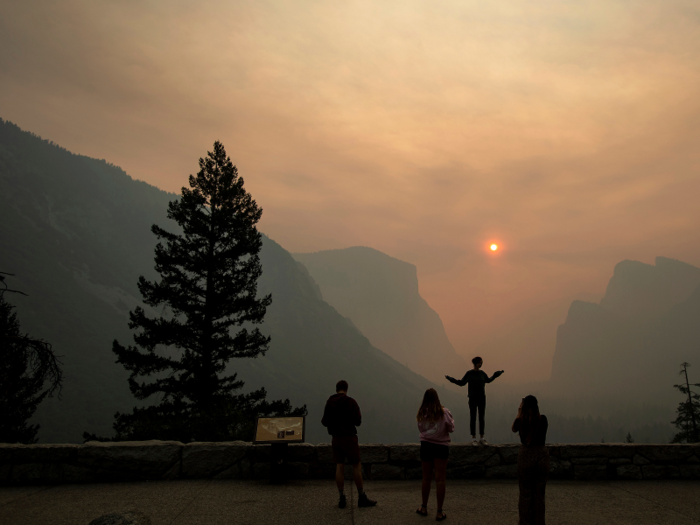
(432, 451)
(346, 450)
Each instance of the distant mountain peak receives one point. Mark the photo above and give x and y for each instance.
(379, 293)
(643, 290)
(630, 345)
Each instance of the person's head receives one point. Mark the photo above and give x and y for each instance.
(531, 409)
(341, 386)
(431, 408)
(477, 362)
(530, 418)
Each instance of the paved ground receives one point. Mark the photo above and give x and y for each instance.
(246, 502)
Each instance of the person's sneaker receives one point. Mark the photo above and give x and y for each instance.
(474, 441)
(482, 441)
(364, 501)
(343, 502)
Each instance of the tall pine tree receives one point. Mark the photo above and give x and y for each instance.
(688, 414)
(29, 372)
(208, 295)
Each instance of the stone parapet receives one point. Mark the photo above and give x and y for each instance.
(155, 460)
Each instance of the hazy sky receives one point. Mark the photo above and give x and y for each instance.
(566, 131)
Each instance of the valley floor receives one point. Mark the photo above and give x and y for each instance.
(213, 502)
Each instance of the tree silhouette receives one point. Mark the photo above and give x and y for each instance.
(688, 414)
(208, 298)
(29, 372)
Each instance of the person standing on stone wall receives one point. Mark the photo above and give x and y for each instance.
(340, 417)
(435, 423)
(477, 379)
(533, 461)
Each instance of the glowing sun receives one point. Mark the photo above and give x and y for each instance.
(494, 247)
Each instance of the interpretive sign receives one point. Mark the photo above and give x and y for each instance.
(280, 429)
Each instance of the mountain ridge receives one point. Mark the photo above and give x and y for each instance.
(76, 231)
(645, 326)
(380, 294)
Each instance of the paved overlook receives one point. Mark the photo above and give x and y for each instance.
(158, 482)
(214, 502)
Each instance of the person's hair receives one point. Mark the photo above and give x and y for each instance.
(341, 386)
(430, 409)
(477, 359)
(530, 418)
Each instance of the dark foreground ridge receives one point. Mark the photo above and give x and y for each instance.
(171, 460)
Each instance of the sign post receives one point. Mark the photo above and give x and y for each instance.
(279, 432)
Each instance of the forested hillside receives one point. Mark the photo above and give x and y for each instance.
(76, 232)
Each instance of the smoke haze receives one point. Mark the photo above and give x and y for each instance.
(567, 132)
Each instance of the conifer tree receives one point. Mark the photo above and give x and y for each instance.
(208, 291)
(29, 372)
(688, 414)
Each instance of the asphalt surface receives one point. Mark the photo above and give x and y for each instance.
(482, 502)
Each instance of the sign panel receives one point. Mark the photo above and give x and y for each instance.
(279, 429)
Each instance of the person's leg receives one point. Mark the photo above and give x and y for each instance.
(482, 418)
(525, 482)
(340, 483)
(540, 486)
(440, 474)
(357, 476)
(362, 499)
(338, 447)
(427, 481)
(354, 456)
(353, 451)
(340, 476)
(472, 418)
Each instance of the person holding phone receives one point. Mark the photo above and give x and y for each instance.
(533, 461)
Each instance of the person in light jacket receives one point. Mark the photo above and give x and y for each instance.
(435, 423)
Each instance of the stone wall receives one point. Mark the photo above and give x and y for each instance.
(155, 460)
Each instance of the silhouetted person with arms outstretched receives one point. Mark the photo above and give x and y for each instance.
(435, 424)
(533, 461)
(340, 417)
(477, 379)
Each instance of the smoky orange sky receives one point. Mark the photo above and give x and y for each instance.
(566, 131)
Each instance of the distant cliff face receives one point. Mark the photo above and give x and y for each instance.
(639, 290)
(631, 344)
(380, 295)
(76, 231)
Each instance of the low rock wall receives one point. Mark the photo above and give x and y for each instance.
(158, 460)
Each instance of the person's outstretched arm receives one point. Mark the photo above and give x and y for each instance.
(494, 376)
(460, 382)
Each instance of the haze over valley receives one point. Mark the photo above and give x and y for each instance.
(438, 181)
(79, 232)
